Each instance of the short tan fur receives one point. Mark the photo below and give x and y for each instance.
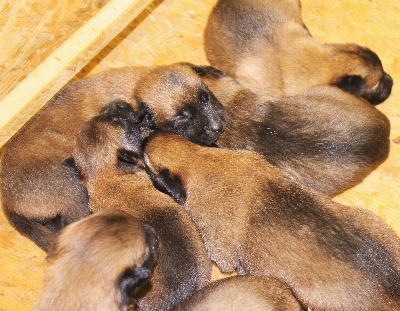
(41, 191)
(325, 138)
(240, 293)
(107, 159)
(99, 263)
(265, 45)
(257, 221)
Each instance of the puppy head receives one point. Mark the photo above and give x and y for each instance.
(113, 139)
(105, 257)
(182, 103)
(364, 75)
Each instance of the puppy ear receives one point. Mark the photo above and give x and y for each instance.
(351, 84)
(132, 279)
(207, 71)
(70, 162)
(170, 184)
(145, 116)
(130, 282)
(151, 256)
(118, 112)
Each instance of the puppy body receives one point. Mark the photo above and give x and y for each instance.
(256, 293)
(324, 134)
(41, 192)
(265, 45)
(99, 263)
(183, 265)
(259, 222)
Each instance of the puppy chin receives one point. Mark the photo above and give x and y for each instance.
(382, 91)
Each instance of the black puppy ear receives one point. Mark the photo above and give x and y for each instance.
(69, 162)
(118, 113)
(131, 280)
(151, 255)
(207, 70)
(170, 184)
(146, 116)
(351, 84)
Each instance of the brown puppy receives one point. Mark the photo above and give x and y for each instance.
(257, 221)
(99, 263)
(325, 138)
(106, 155)
(266, 47)
(41, 192)
(256, 293)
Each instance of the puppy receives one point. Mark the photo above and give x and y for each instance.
(106, 155)
(41, 191)
(256, 293)
(324, 134)
(257, 221)
(265, 45)
(99, 263)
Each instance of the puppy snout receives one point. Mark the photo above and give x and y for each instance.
(382, 91)
(387, 81)
(215, 127)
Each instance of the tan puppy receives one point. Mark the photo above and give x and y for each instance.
(99, 263)
(255, 220)
(255, 293)
(106, 155)
(324, 138)
(41, 192)
(266, 47)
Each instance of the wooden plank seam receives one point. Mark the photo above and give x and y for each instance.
(60, 66)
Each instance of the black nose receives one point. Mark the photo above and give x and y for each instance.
(216, 126)
(382, 92)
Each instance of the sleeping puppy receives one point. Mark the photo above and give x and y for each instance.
(41, 191)
(257, 221)
(256, 293)
(324, 134)
(99, 263)
(265, 45)
(106, 155)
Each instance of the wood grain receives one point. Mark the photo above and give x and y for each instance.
(51, 74)
(170, 31)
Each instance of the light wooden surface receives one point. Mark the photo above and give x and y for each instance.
(31, 30)
(43, 76)
(170, 31)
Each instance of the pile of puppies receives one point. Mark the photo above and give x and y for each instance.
(136, 179)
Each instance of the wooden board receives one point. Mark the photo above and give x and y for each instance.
(43, 74)
(170, 31)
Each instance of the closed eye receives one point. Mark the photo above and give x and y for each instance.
(127, 159)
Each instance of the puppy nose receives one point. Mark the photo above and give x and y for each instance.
(382, 92)
(387, 81)
(216, 127)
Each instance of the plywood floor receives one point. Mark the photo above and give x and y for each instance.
(171, 31)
